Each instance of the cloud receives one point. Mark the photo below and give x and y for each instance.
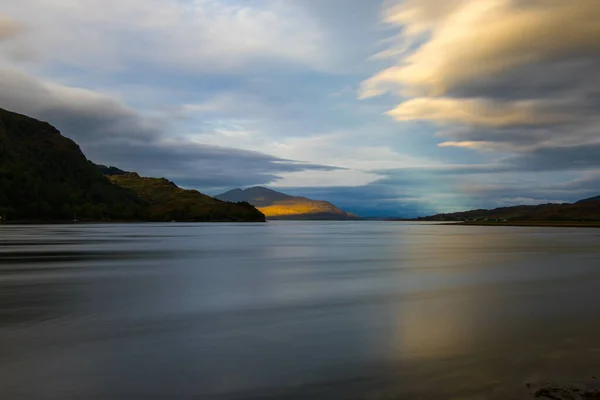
(109, 132)
(583, 157)
(220, 94)
(459, 188)
(410, 192)
(8, 28)
(85, 115)
(585, 186)
(316, 178)
(475, 39)
(475, 112)
(356, 150)
(372, 200)
(211, 168)
(519, 78)
(199, 35)
(249, 76)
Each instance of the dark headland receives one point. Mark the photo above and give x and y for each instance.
(45, 177)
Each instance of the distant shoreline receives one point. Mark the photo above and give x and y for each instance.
(548, 224)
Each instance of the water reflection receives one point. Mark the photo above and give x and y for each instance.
(294, 310)
(37, 302)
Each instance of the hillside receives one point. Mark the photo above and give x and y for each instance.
(167, 202)
(45, 176)
(589, 200)
(277, 205)
(106, 170)
(587, 210)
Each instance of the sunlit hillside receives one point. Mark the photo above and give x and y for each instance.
(277, 205)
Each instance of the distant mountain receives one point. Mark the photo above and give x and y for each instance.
(277, 205)
(44, 176)
(166, 201)
(584, 210)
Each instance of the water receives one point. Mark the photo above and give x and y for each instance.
(295, 310)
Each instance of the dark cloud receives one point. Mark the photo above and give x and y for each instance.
(210, 168)
(569, 87)
(565, 77)
(584, 157)
(582, 187)
(111, 133)
(535, 95)
(83, 114)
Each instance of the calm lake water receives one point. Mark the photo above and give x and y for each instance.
(295, 310)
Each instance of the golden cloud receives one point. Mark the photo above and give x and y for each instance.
(8, 28)
(475, 112)
(473, 39)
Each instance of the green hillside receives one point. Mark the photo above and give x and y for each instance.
(44, 176)
(587, 210)
(168, 202)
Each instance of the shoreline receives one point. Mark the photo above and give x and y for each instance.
(547, 224)
(84, 222)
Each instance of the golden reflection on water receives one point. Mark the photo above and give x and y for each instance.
(443, 319)
(456, 248)
(434, 328)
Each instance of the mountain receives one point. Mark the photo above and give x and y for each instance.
(587, 210)
(589, 200)
(277, 205)
(257, 196)
(166, 201)
(44, 176)
(108, 171)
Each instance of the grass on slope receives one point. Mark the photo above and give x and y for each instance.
(167, 201)
(45, 176)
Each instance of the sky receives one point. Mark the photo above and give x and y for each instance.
(385, 108)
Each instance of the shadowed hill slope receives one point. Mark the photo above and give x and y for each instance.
(166, 201)
(106, 170)
(44, 176)
(590, 200)
(587, 210)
